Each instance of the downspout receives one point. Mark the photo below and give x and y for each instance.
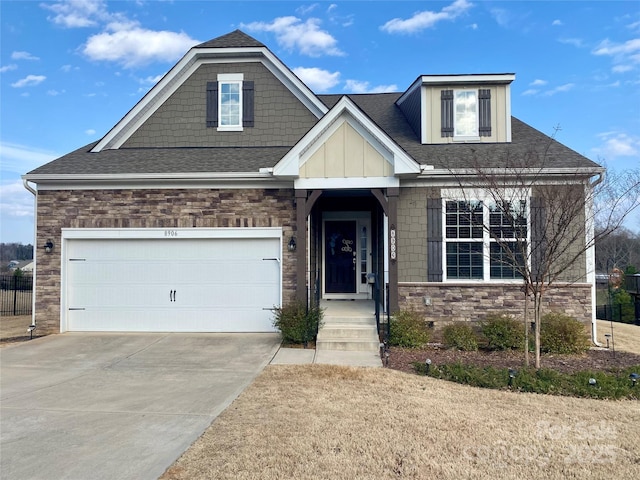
(594, 332)
(25, 182)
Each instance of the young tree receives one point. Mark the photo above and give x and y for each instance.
(541, 217)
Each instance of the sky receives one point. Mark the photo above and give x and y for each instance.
(70, 70)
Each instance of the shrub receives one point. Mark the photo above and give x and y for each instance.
(503, 332)
(297, 323)
(560, 333)
(461, 336)
(408, 329)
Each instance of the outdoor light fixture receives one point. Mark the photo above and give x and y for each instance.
(292, 244)
(48, 247)
(592, 382)
(386, 358)
(427, 364)
(607, 336)
(634, 379)
(512, 375)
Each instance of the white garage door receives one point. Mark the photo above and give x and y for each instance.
(172, 285)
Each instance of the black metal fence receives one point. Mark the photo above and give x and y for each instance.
(623, 313)
(16, 294)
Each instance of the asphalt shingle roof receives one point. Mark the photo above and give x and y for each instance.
(529, 147)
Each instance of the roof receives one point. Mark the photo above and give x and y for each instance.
(529, 147)
(235, 39)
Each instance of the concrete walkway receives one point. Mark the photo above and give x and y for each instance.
(301, 356)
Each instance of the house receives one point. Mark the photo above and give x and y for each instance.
(231, 187)
(25, 266)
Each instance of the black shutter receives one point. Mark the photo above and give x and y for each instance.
(247, 104)
(434, 239)
(446, 113)
(212, 104)
(485, 112)
(538, 238)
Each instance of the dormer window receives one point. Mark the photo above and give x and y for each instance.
(230, 103)
(466, 114)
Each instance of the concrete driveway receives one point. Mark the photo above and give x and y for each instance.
(105, 406)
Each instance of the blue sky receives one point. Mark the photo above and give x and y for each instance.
(69, 70)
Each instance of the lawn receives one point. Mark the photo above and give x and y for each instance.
(327, 422)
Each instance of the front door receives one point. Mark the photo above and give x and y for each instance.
(341, 256)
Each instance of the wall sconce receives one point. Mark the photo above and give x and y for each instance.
(292, 244)
(48, 247)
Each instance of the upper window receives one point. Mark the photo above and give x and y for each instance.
(230, 102)
(466, 114)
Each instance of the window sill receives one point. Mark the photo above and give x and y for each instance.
(230, 129)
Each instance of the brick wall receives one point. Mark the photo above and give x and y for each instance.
(180, 208)
(464, 302)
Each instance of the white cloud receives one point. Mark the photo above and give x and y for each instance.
(7, 68)
(132, 46)
(426, 19)
(356, 86)
(626, 56)
(292, 33)
(15, 200)
(29, 81)
(20, 159)
(538, 82)
(557, 23)
(77, 13)
(23, 56)
(560, 89)
(90, 131)
(618, 144)
(317, 79)
(576, 42)
(531, 91)
(55, 93)
(151, 80)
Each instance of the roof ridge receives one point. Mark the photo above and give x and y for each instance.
(237, 38)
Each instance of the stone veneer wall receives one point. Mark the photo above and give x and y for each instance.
(154, 208)
(452, 302)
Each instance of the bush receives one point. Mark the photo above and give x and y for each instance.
(560, 333)
(297, 323)
(461, 336)
(408, 329)
(503, 332)
(611, 384)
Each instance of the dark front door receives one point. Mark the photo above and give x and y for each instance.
(340, 256)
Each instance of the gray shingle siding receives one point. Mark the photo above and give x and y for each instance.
(411, 108)
(279, 117)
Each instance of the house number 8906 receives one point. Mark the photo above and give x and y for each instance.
(170, 233)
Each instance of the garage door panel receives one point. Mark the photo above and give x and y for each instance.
(189, 285)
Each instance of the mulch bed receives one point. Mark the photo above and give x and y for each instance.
(594, 360)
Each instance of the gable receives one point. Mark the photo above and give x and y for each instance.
(346, 153)
(280, 118)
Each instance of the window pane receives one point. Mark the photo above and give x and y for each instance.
(466, 113)
(230, 104)
(505, 259)
(464, 260)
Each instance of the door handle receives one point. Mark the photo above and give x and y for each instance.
(172, 295)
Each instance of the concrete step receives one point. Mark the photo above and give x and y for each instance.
(365, 332)
(349, 345)
(355, 320)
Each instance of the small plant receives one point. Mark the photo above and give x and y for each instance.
(461, 336)
(560, 333)
(408, 329)
(297, 323)
(503, 332)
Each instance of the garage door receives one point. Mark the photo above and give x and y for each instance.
(172, 285)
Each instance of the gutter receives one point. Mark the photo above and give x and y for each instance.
(26, 185)
(594, 324)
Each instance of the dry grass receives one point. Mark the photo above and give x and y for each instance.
(328, 422)
(14, 329)
(625, 336)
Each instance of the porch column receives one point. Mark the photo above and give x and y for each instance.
(301, 246)
(392, 206)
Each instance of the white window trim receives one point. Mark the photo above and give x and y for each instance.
(466, 138)
(227, 78)
(472, 195)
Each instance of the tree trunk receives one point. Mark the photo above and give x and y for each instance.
(526, 326)
(537, 305)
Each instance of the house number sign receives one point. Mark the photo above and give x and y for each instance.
(170, 233)
(392, 246)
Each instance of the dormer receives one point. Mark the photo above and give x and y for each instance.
(444, 109)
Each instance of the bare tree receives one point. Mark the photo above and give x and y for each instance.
(541, 217)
